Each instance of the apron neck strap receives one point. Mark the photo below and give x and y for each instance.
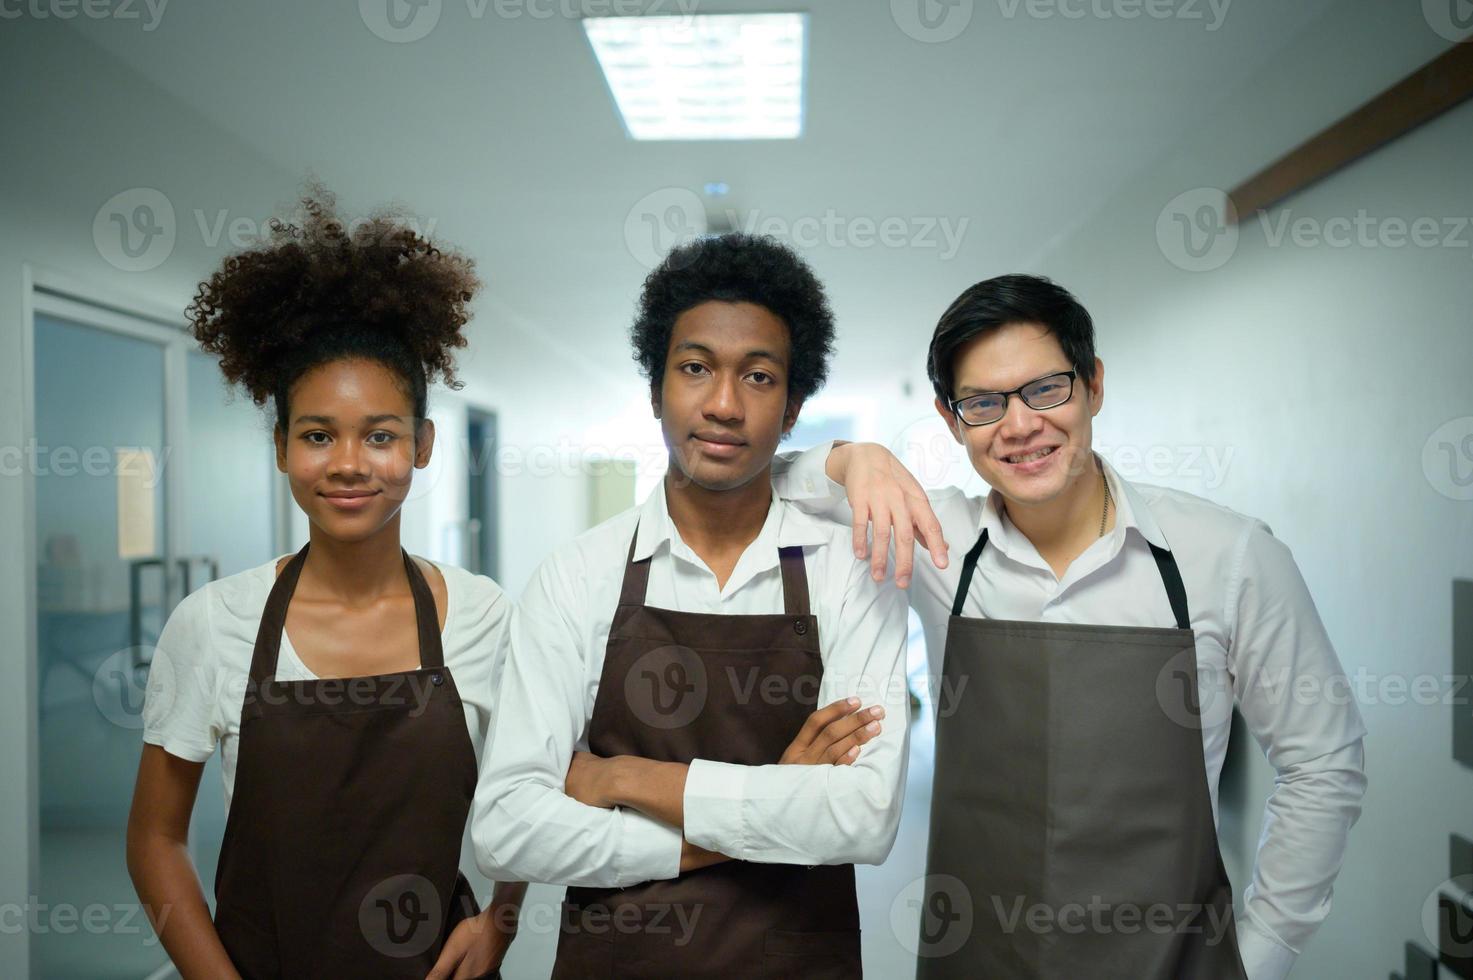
(636, 576)
(431, 653)
(789, 560)
(1165, 564)
(969, 565)
(1175, 590)
(795, 580)
(273, 618)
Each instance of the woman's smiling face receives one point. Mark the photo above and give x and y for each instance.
(350, 449)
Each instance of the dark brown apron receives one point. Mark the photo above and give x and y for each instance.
(1071, 826)
(678, 686)
(341, 854)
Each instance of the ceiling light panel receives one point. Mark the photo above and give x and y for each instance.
(706, 76)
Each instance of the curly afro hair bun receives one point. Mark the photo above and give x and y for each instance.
(319, 291)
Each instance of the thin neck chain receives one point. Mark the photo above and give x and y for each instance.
(1105, 513)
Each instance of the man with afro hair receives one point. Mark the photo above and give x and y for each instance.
(689, 731)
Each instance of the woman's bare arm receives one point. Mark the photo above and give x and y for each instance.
(161, 869)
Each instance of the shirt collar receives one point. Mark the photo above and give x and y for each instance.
(785, 526)
(1131, 511)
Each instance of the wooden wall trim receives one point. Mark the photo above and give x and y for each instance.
(1425, 94)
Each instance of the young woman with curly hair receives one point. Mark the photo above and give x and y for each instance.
(349, 686)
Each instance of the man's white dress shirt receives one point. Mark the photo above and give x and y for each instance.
(526, 828)
(1260, 643)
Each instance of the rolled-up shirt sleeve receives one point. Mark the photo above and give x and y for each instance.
(1299, 705)
(824, 814)
(523, 825)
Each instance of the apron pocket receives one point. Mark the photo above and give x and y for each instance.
(812, 955)
(583, 951)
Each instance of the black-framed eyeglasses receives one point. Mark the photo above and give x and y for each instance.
(988, 407)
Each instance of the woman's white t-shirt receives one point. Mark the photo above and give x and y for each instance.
(203, 660)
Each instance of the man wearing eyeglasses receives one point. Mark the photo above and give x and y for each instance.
(1096, 637)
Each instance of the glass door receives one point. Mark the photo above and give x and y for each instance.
(150, 482)
(102, 593)
(483, 545)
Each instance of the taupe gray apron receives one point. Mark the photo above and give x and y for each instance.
(341, 855)
(678, 686)
(1071, 826)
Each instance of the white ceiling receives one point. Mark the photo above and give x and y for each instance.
(500, 129)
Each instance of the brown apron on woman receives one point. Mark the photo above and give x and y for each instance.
(341, 854)
(679, 686)
(1071, 826)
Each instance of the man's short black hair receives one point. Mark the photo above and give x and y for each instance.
(738, 268)
(1011, 299)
